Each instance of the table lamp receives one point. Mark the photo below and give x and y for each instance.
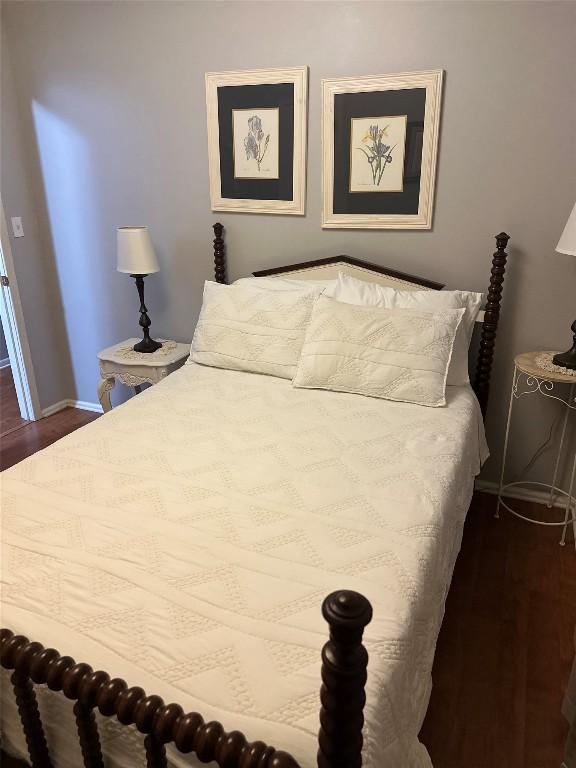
(136, 257)
(567, 244)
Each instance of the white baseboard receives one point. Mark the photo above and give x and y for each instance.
(83, 405)
(5, 363)
(55, 408)
(516, 492)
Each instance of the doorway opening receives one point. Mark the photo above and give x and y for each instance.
(10, 414)
(19, 402)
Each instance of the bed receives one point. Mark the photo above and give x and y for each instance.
(184, 543)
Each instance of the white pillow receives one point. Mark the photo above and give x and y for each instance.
(353, 291)
(285, 283)
(396, 354)
(250, 328)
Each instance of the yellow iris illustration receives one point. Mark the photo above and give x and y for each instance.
(378, 154)
(381, 132)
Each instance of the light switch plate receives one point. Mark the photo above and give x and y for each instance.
(17, 228)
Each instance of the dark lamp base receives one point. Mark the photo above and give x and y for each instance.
(567, 359)
(147, 345)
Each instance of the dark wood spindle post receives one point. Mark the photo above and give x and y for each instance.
(490, 325)
(88, 736)
(344, 662)
(80, 683)
(219, 254)
(155, 753)
(30, 719)
(87, 691)
(17, 654)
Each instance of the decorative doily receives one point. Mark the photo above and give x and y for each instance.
(129, 353)
(544, 361)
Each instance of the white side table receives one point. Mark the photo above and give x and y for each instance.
(534, 372)
(121, 363)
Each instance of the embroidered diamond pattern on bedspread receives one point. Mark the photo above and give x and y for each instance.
(185, 542)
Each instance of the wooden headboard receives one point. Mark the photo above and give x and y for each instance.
(328, 268)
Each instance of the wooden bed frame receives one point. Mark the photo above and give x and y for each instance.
(344, 658)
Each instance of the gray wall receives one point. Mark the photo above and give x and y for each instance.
(112, 131)
(23, 195)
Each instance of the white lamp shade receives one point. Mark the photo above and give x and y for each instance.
(567, 243)
(136, 254)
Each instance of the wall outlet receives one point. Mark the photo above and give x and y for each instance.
(17, 228)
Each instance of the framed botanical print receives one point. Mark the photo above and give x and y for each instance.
(379, 148)
(257, 140)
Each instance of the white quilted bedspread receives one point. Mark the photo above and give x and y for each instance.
(185, 542)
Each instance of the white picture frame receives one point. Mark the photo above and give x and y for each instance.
(298, 77)
(431, 81)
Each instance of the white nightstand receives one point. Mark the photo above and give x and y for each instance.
(534, 373)
(121, 363)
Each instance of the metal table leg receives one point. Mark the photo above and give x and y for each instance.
(570, 507)
(553, 488)
(505, 453)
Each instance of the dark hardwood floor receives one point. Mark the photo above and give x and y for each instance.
(10, 418)
(506, 644)
(35, 435)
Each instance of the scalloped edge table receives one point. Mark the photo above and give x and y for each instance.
(530, 377)
(121, 363)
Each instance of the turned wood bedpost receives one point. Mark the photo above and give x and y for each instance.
(490, 324)
(344, 663)
(219, 254)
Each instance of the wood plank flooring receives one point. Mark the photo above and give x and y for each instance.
(36, 435)
(506, 644)
(10, 418)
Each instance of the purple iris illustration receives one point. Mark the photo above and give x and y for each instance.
(253, 141)
(378, 154)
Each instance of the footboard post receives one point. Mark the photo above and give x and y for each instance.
(344, 662)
